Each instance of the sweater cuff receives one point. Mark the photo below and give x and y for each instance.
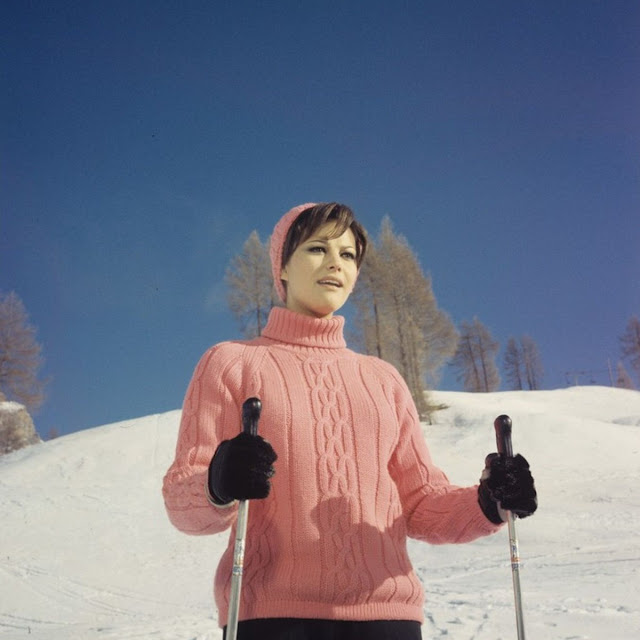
(212, 500)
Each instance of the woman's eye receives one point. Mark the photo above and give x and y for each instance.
(317, 249)
(349, 255)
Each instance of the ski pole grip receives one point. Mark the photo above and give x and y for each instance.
(502, 425)
(251, 409)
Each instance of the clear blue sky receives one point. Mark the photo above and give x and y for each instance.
(141, 143)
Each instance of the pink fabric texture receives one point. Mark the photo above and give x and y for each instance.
(278, 237)
(354, 476)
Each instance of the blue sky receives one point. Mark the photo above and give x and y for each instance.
(141, 143)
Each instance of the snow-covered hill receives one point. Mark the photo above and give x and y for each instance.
(87, 553)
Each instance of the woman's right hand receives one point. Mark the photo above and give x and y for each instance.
(241, 469)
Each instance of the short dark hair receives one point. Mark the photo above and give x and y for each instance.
(310, 220)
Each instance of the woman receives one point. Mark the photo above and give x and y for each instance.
(340, 473)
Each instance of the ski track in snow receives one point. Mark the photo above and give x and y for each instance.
(86, 551)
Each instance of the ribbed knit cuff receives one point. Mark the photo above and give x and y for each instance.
(212, 500)
(489, 506)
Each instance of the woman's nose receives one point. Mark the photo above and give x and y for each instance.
(333, 261)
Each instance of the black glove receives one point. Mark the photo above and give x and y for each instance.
(241, 469)
(507, 483)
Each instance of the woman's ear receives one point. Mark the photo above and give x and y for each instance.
(283, 274)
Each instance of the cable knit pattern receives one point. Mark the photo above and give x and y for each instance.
(354, 476)
(336, 475)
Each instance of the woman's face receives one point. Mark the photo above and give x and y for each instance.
(321, 273)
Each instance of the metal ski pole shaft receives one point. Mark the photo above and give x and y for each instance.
(502, 426)
(251, 409)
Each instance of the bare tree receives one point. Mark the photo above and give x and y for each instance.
(623, 379)
(20, 355)
(532, 363)
(630, 344)
(397, 314)
(522, 364)
(475, 358)
(369, 302)
(250, 286)
(513, 367)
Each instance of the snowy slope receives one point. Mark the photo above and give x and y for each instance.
(87, 552)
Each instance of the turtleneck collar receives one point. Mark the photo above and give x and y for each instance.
(305, 331)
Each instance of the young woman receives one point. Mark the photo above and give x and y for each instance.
(340, 473)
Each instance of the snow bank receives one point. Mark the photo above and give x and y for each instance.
(88, 553)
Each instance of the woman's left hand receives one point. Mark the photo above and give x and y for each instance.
(506, 485)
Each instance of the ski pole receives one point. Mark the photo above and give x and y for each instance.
(502, 426)
(251, 409)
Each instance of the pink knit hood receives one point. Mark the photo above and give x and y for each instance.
(278, 237)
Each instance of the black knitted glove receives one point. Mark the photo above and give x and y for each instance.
(506, 483)
(241, 469)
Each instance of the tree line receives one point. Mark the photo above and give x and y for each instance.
(397, 319)
(475, 360)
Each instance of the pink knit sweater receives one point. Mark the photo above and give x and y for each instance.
(353, 478)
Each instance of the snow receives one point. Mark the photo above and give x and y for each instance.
(11, 407)
(88, 553)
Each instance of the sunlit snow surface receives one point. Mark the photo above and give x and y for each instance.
(86, 550)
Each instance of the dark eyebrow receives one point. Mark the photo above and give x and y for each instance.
(325, 240)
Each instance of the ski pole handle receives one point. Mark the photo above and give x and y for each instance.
(503, 426)
(251, 409)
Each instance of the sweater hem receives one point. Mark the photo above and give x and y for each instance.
(328, 611)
